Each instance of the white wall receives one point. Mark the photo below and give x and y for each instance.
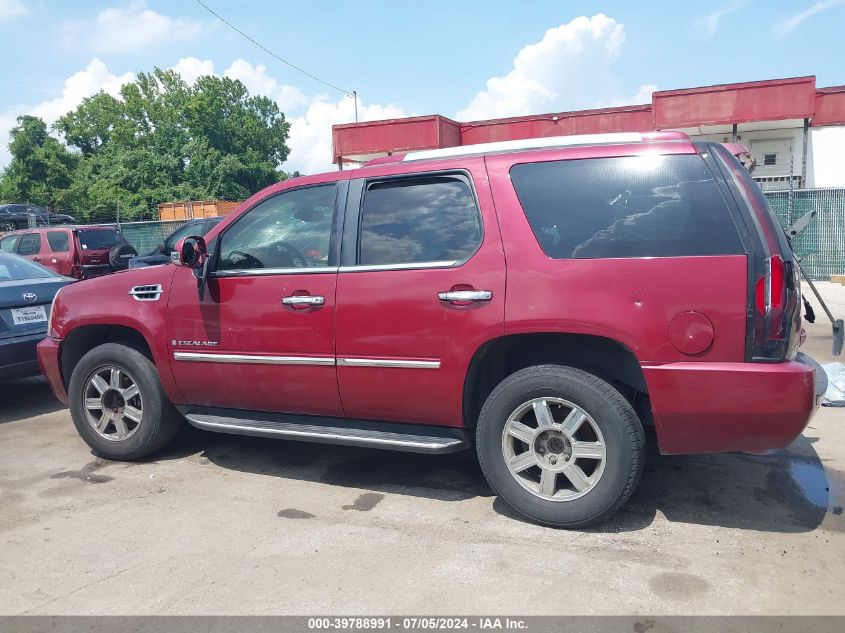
(826, 157)
(763, 141)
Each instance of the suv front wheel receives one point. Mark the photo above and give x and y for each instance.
(560, 445)
(118, 404)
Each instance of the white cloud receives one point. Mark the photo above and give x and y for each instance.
(191, 68)
(257, 81)
(311, 134)
(130, 28)
(570, 68)
(12, 9)
(786, 26)
(93, 79)
(710, 22)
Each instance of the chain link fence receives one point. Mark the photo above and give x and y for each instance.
(146, 236)
(821, 246)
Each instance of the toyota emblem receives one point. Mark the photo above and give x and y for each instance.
(30, 297)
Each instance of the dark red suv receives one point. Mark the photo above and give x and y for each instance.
(541, 301)
(80, 252)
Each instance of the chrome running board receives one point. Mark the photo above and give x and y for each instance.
(411, 438)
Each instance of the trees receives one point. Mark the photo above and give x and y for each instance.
(41, 169)
(160, 140)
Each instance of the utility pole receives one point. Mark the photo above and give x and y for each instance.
(355, 97)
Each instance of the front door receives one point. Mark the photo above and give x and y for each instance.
(420, 289)
(262, 336)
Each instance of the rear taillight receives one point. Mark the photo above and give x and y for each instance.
(775, 294)
(770, 292)
(774, 322)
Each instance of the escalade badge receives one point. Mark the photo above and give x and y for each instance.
(30, 297)
(176, 343)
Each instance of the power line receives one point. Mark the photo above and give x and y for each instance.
(352, 94)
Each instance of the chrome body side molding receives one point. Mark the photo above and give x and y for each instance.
(253, 359)
(261, 359)
(388, 362)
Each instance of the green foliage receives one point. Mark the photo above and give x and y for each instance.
(162, 140)
(41, 170)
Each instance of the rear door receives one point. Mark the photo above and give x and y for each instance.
(59, 256)
(421, 288)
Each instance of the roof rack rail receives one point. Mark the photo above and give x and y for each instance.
(546, 143)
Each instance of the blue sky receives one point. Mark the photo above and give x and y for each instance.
(462, 59)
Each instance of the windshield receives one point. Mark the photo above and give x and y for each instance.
(99, 239)
(14, 268)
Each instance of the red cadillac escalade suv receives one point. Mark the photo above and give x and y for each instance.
(541, 301)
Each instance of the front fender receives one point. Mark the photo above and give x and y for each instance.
(106, 301)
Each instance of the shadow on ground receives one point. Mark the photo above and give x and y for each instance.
(784, 491)
(25, 398)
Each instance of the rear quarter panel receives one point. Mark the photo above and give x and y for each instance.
(630, 300)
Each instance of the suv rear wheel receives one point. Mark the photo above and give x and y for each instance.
(560, 445)
(118, 405)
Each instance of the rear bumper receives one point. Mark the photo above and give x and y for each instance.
(17, 356)
(48, 358)
(719, 407)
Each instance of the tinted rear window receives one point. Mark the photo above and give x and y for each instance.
(634, 206)
(99, 239)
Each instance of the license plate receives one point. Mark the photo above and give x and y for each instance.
(22, 316)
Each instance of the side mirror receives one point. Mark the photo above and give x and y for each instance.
(190, 252)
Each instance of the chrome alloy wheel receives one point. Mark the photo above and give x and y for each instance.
(113, 403)
(553, 449)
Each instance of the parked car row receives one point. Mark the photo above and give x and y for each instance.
(76, 251)
(17, 216)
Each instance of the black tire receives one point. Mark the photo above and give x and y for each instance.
(619, 425)
(6, 227)
(159, 420)
(120, 255)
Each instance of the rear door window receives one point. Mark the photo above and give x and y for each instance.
(58, 241)
(30, 244)
(633, 206)
(419, 220)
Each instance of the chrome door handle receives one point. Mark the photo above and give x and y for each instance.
(303, 300)
(465, 295)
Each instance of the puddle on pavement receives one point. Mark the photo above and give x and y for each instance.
(812, 481)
